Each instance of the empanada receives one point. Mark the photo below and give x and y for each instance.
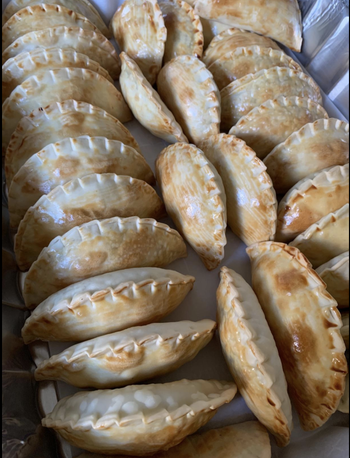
(325, 239)
(271, 124)
(251, 199)
(71, 158)
(335, 273)
(345, 328)
(92, 44)
(83, 7)
(184, 30)
(305, 324)
(57, 121)
(57, 86)
(231, 39)
(251, 59)
(241, 96)
(252, 356)
(79, 201)
(17, 69)
(39, 17)
(138, 419)
(310, 200)
(99, 247)
(278, 19)
(89, 308)
(139, 30)
(146, 105)
(189, 91)
(129, 356)
(344, 403)
(194, 197)
(243, 440)
(314, 147)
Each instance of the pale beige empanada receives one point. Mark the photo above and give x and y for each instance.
(251, 59)
(335, 273)
(138, 419)
(278, 19)
(19, 68)
(184, 30)
(89, 308)
(251, 199)
(83, 7)
(305, 322)
(243, 440)
(71, 158)
(39, 17)
(243, 95)
(345, 328)
(274, 121)
(194, 197)
(252, 356)
(310, 200)
(325, 239)
(314, 147)
(57, 121)
(56, 86)
(129, 356)
(231, 39)
(79, 201)
(93, 44)
(99, 247)
(344, 403)
(189, 91)
(139, 30)
(146, 105)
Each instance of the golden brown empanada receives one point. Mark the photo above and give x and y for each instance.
(251, 199)
(310, 200)
(274, 121)
(194, 197)
(189, 91)
(305, 323)
(344, 403)
(83, 7)
(57, 121)
(79, 201)
(231, 39)
(252, 356)
(71, 158)
(314, 147)
(345, 328)
(17, 69)
(57, 86)
(278, 19)
(138, 419)
(325, 239)
(93, 44)
(243, 440)
(251, 59)
(146, 105)
(139, 30)
(184, 30)
(211, 29)
(42, 16)
(241, 96)
(88, 308)
(129, 356)
(335, 273)
(99, 247)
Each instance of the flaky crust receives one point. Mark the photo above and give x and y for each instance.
(335, 273)
(305, 323)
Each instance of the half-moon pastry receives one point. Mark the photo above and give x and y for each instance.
(79, 201)
(335, 273)
(194, 197)
(138, 419)
(305, 322)
(252, 356)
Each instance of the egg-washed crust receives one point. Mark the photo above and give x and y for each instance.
(335, 273)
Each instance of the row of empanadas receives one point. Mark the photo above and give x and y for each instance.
(88, 309)
(129, 356)
(335, 273)
(79, 201)
(138, 419)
